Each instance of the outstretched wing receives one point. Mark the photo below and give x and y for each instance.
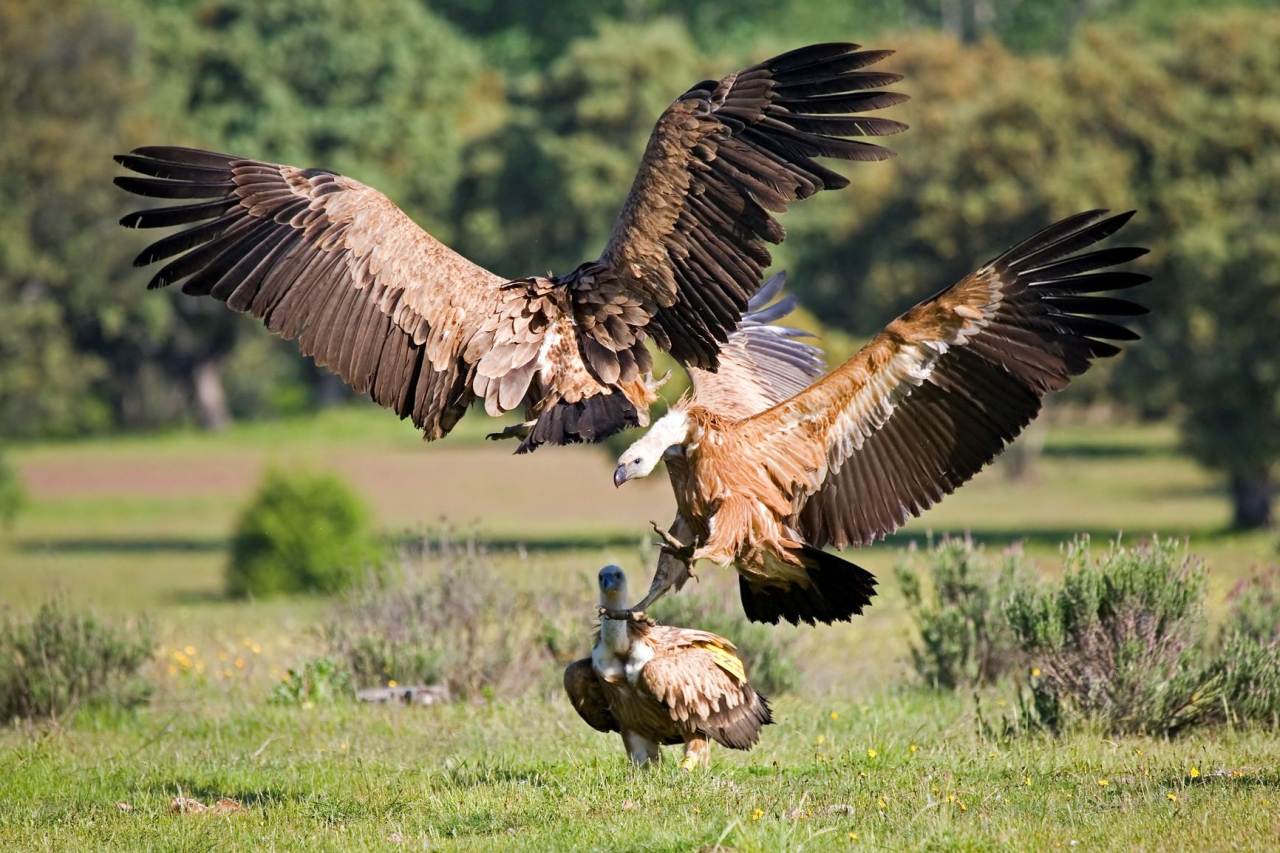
(688, 250)
(761, 364)
(699, 678)
(940, 392)
(323, 259)
(587, 697)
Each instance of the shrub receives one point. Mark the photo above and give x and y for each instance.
(1117, 642)
(1246, 661)
(450, 618)
(321, 681)
(300, 532)
(964, 637)
(63, 659)
(12, 495)
(766, 652)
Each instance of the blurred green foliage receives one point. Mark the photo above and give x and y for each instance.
(300, 532)
(511, 132)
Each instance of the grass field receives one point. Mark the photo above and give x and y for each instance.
(858, 757)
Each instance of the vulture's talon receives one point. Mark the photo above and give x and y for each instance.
(671, 545)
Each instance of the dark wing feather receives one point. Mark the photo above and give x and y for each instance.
(325, 260)
(689, 246)
(587, 696)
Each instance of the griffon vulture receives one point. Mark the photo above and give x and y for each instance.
(659, 685)
(765, 475)
(325, 260)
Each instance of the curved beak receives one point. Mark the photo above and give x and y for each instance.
(620, 476)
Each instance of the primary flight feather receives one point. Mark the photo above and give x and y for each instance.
(325, 260)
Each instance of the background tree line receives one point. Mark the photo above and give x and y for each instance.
(511, 131)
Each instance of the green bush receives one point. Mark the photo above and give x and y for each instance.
(301, 532)
(12, 495)
(767, 653)
(321, 681)
(1246, 661)
(450, 618)
(1117, 643)
(63, 659)
(964, 639)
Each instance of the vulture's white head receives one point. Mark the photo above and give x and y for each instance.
(670, 431)
(613, 588)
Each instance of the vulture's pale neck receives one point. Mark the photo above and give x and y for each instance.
(614, 632)
(670, 430)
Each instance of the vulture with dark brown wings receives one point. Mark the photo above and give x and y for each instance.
(322, 259)
(769, 466)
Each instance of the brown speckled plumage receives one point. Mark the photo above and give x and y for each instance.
(325, 260)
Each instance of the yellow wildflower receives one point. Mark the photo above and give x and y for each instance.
(913, 748)
(239, 663)
(190, 650)
(1194, 772)
(1026, 780)
(853, 836)
(820, 739)
(834, 715)
(757, 814)
(1035, 672)
(871, 753)
(1102, 783)
(391, 682)
(1171, 797)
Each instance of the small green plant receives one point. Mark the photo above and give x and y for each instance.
(320, 681)
(1246, 660)
(767, 653)
(63, 659)
(964, 639)
(300, 532)
(1117, 643)
(12, 496)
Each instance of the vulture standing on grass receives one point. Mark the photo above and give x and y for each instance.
(768, 469)
(325, 260)
(660, 685)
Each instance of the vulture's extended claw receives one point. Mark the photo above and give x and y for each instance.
(632, 615)
(671, 544)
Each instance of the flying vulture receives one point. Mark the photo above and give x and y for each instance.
(324, 260)
(769, 466)
(658, 685)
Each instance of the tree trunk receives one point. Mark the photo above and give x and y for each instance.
(1251, 496)
(209, 395)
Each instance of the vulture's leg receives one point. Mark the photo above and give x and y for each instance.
(643, 751)
(697, 753)
(674, 562)
(520, 431)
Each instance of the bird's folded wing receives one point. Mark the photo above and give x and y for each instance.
(688, 249)
(762, 364)
(940, 392)
(587, 696)
(323, 259)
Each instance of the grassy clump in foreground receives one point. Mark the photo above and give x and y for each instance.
(904, 769)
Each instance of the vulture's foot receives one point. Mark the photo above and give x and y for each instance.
(671, 545)
(697, 753)
(632, 615)
(520, 431)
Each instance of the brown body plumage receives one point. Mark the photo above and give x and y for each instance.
(332, 263)
(914, 414)
(659, 685)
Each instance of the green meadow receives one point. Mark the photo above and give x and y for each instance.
(860, 756)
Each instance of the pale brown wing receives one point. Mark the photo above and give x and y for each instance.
(587, 697)
(323, 259)
(762, 364)
(699, 678)
(940, 392)
(689, 247)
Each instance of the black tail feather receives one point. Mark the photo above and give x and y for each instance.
(837, 591)
(587, 421)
